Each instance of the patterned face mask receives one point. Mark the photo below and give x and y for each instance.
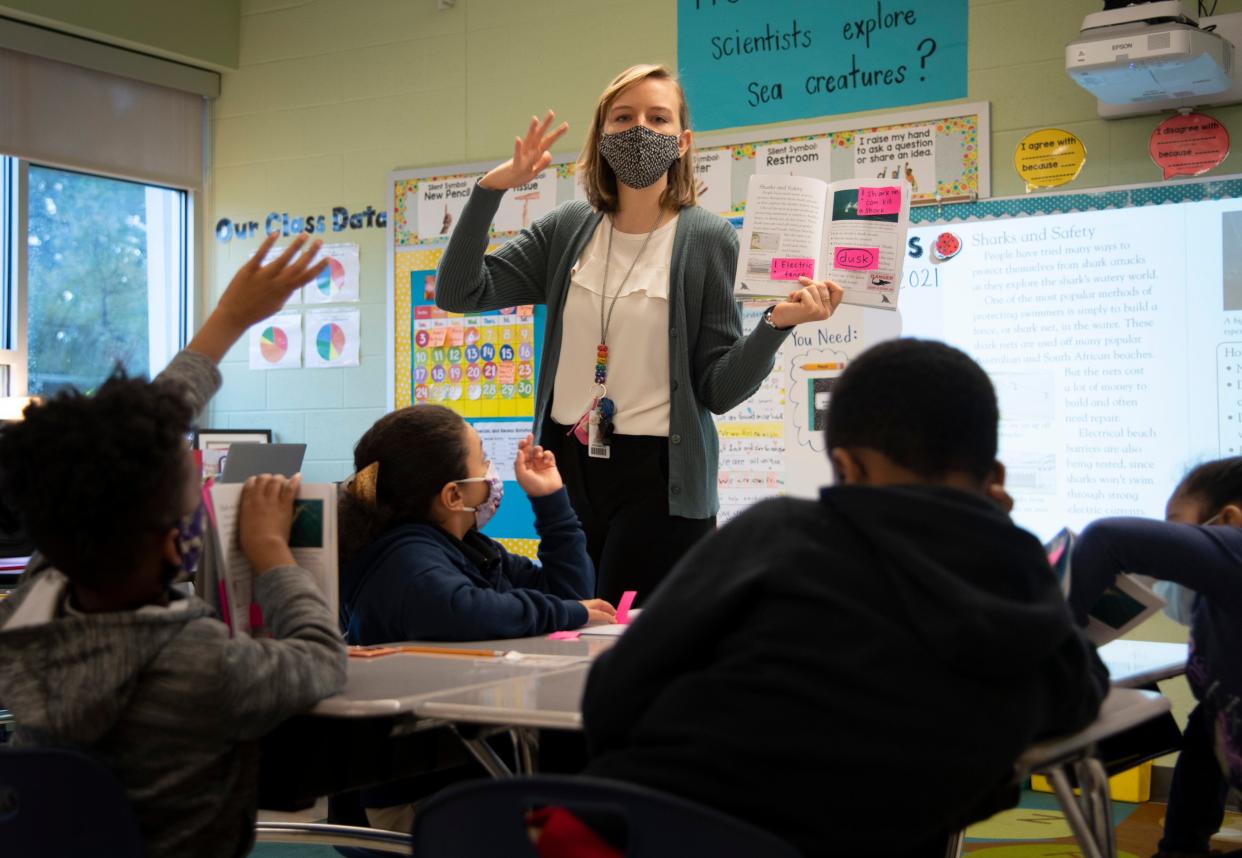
(638, 155)
(495, 491)
(189, 544)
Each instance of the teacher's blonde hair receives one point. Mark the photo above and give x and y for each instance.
(598, 179)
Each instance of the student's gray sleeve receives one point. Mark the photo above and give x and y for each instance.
(264, 681)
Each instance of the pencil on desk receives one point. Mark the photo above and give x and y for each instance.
(445, 650)
(381, 649)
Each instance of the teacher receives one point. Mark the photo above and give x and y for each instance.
(644, 338)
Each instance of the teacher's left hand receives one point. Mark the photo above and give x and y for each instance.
(814, 302)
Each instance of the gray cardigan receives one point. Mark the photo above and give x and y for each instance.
(712, 367)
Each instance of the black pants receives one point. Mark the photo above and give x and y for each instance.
(1198, 791)
(622, 502)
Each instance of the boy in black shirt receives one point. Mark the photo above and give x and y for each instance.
(814, 657)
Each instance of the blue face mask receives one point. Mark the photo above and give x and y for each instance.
(495, 491)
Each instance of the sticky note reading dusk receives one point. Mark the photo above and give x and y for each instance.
(623, 607)
(791, 268)
(879, 201)
(856, 258)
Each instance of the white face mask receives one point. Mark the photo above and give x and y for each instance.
(495, 491)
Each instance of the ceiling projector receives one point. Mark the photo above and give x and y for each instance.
(1149, 52)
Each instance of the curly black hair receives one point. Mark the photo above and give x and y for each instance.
(924, 404)
(89, 477)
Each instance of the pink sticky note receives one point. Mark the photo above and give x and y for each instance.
(856, 258)
(505, 373)
(879, 201)
(564, 636)
(1055, 556)
(623, 607)
(436, 337)
(456, 336)
(791, 268)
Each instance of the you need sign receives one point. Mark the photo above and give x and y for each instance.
(745, 62)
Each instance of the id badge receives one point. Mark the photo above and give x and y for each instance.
(597, 447)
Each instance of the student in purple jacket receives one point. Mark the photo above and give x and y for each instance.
(1199, 546)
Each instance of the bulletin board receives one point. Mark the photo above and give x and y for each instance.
(486, 365)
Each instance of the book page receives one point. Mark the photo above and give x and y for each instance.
(312, 541)
(780, 238)
(1120, 608)
(865, 240)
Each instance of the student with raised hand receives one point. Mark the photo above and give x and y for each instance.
(1199, 546)
(101, 653)
(414, 564)
(644, 340)
(898, 624)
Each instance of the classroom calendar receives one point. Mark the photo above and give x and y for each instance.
(480, 365)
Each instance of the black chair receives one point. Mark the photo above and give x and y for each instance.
(485, 819)
(57, 803)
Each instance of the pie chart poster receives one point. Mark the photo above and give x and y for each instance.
(746, 62)
(331, 338)
(277, 342)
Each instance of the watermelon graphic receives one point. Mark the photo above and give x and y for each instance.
(947, 246)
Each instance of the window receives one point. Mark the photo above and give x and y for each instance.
(106, 277)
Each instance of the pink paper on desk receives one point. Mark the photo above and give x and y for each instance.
(564, 636)
(623, 607)
(791, 268)
(856, 258)
(879, 201)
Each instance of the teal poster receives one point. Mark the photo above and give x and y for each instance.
(747, 62)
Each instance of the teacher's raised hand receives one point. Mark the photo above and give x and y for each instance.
(814, 302)
(531, 155)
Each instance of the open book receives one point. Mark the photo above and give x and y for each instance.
(228, 576)
(1126, 603)
(852, 232)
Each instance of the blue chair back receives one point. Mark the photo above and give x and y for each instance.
(57, 803)
(485, 819)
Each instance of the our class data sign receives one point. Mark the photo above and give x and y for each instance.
(747, 62)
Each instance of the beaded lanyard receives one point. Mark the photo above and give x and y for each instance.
(602, 408)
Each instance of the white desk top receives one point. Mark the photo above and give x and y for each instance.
(394, 684)
(544, 699)
(1135, 663)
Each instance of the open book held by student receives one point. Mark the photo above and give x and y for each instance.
(852, 232)
(1124, 605)
(225, 578)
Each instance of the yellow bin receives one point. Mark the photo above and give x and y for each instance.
(1133, 785)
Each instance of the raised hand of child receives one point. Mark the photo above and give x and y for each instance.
(599, 612)
(265, 519)
(535, 469)
(256, 292)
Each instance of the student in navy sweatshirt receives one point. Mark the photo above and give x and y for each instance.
(1200, 547)
(414, 564)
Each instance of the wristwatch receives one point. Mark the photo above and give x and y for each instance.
(767, 317)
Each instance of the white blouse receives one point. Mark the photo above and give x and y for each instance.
(637, 336)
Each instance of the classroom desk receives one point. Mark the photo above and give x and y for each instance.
(1090, 813)
(394, 684)
(1137, 664)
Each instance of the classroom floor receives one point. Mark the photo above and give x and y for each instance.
(1034, 829)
